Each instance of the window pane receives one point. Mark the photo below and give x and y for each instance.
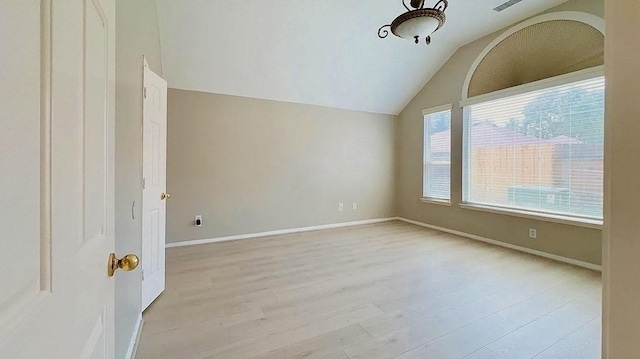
(540, 151)
(437, 155)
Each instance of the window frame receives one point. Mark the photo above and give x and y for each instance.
(565, 79)
(425, 142)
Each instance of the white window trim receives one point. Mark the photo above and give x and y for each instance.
(586, 74)
(581, 75)
(429, 111)
(540, 216)
(438, 201)
(433, 200)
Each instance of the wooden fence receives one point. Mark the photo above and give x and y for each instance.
(577, 168)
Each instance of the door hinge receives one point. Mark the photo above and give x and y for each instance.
(144, 92)
(144, 183)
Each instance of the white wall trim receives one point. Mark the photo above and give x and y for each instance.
(379, 220)
(278, 232)
(589, 19)
(135, 337)
(507, 245)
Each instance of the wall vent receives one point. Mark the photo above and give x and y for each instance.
(508, 4)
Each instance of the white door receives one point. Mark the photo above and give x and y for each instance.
(154, 193)
(56, 178)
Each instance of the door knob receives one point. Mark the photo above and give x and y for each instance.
(127, 263)
(164, 196)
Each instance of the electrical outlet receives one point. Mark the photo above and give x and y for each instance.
(355, 206)
(198, 221)
(340, 207)
(533, 233)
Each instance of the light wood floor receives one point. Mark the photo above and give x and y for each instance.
(389, 290)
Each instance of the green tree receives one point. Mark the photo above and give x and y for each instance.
(439, 122)
(576, 113)
(515, 125)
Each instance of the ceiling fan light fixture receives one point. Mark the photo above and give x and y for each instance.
(418, 22)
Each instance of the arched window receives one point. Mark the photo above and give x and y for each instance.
(534, 120)
(542, 47)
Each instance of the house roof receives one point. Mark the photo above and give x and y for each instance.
(487, 134)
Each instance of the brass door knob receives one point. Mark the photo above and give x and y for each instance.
(164, 196)
(127, 263)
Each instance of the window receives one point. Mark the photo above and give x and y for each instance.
(437, 154)
(540, 151)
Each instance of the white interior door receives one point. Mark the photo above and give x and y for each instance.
(56, 178)
(154, 193)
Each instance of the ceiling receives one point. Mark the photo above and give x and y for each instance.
(323, 52)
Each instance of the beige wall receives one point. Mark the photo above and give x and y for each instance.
(446, 88)
(249, 165)
(136, 35)
(622, 227)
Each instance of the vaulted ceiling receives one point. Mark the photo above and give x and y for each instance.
(324, 52)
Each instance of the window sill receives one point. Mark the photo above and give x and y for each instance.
(555, 218)
(441, 202)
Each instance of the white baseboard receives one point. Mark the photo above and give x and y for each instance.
(278, 232)
(507, 245)
(378, 220)
(135, 337)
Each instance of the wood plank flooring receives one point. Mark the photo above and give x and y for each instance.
(382, 291)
